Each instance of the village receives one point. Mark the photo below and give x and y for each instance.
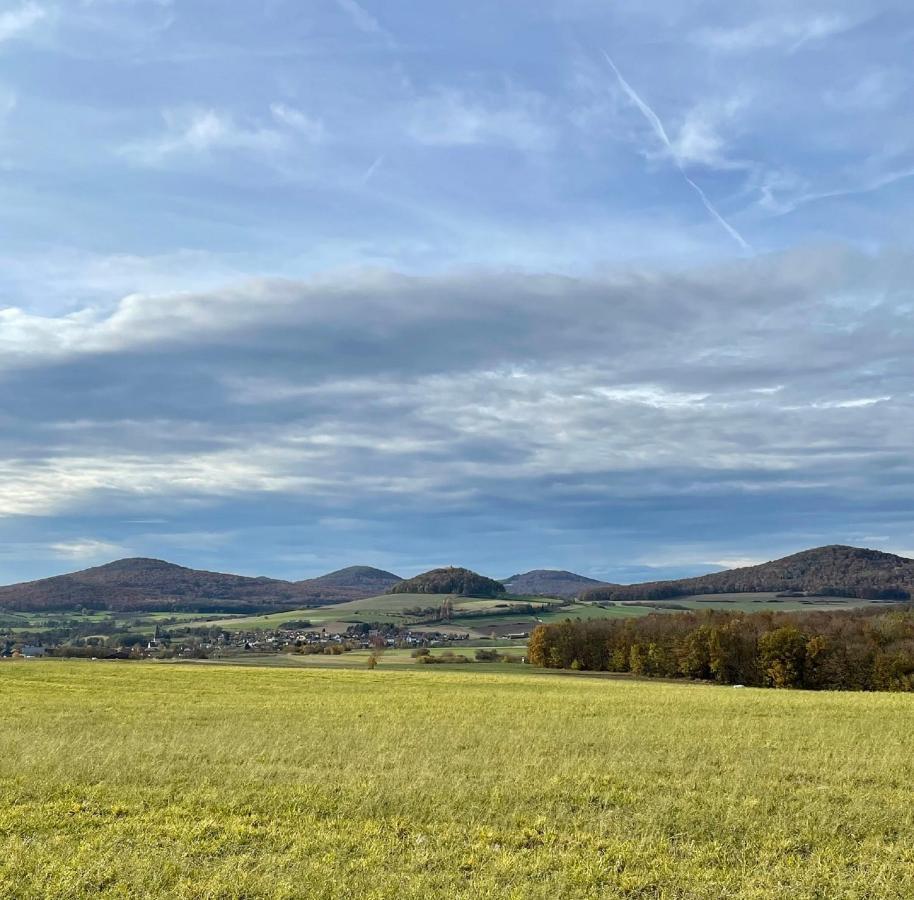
(205, 643)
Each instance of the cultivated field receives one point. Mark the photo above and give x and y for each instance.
(390, 608)
(480, 616)
(162, 780)
(138, 622)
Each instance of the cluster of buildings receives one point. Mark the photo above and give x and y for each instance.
(190, 643)
(22, 651)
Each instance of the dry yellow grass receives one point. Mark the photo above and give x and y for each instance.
(145, 780)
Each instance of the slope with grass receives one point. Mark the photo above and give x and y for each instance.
(169, 781)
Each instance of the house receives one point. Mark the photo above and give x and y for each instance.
(32, 652)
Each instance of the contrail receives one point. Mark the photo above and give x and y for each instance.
(366, 175)
(710, 208)
(655, 123)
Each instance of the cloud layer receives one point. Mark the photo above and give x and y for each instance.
(378, 396)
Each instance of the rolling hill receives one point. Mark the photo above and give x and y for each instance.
(364, 579)
(551, 583)
(834, 570)
(153, 584)
(451, 580)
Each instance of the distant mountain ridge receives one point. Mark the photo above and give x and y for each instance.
(140, 584)
(148, 584)
(551, 583)
(835, 570)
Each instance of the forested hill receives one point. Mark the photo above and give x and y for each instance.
(551, 583)
(835, 570)
(451, 580)
(153, 584)
(365, 579)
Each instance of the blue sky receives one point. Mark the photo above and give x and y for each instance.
(622, 288)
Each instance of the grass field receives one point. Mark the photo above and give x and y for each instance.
(160, 780)
(358, 659)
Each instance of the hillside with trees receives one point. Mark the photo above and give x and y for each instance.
(835, 571)
(154, 584)
(451, 580)
(551, 583)
(365, 579)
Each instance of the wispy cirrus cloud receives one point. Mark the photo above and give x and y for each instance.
(789, 32)
(450, 117)
(873, 90)
(784, 193)
(359, 15)
(202, 131)
(311, 128)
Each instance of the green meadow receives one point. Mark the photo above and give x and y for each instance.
(384, 608)
(123, 779)
(387, 608)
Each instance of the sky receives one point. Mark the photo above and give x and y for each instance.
(288, 285)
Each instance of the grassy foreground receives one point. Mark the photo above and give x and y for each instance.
(145, 780)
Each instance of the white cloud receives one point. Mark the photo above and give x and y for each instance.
(15, 22)
(87, 549)
(784, 32)
(198, 132)
(360, 17)
(52, 486)
(781, 193)
(701, 139)
(310, 128)
(451, 117)
(739, 562)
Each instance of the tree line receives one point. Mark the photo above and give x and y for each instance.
(862, 649)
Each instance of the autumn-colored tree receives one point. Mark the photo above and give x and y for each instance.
(782, 655)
